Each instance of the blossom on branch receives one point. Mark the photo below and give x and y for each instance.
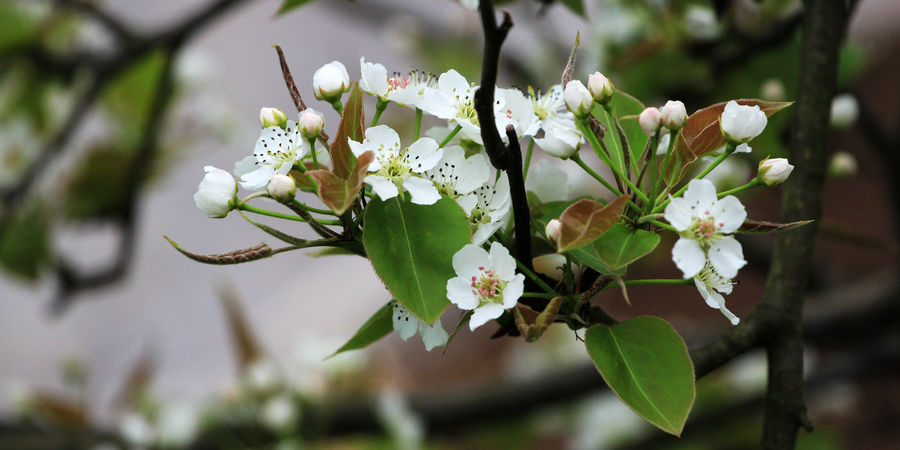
(406, 325)
(486, 283)
(395, 167)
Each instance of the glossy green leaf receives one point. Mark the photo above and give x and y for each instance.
(645, 362)
(626, 108)
(411, 248)
(377, 327)
(619, 246)
(289, 5)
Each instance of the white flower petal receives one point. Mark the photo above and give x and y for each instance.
(382, 136)
(257, 179)
(513, 291)
(485, 313)
(459, 292)
(726, 256)
(382, 186)
(688, 256)
(467, 203)
(438, 104)
(501, 262)
(476, 170)
(467, 260)
(424, 154)
(373, 78)
(484, 232)
(434, 335)
(729, 213)
(421, 190)
(404, 323)
(700, 195)
(678, 214)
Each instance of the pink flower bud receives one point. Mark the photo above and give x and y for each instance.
(600, 87)
(311, 124)
(650, 120)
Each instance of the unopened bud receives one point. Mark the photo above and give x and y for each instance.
(650, 120)
(773, 172)
(600, 88)
(311, 124)
(553, 229)
(673, 115)
(578, 98)
(282, 188)
(843, 164)
(272, 117)
(216, 193)
(331, 81)
(741, 123)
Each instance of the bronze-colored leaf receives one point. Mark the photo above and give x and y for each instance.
(352, 127)
(531, 324)
(586, 220)
(338, 193)
(761, 226)
(59, 409)
(701, 134)
(236, 257)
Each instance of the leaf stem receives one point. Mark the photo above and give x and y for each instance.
(577, 158)
(379, 108)
(528, 159)
(592, 138)
(418, 126)
(537, 280)
(450, 136)
(752, 184)
(311, 209)
(729, 149)
(312, 151)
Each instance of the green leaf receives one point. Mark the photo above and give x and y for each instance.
(619, 246)
(626, 108)
(576, 6)
(25, 247)
(352, 127)
(645, 362)
(289, 5)
(377, 327)
(411, 248)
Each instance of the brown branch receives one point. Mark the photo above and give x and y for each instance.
(785, 411)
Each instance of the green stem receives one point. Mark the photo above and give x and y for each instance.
(379, 108)
(592, 138)
(663, 225)
(311, 209)
(546, 287)
(650, 217)
(266, 212)
(729, 149)
(527, 160)
(625, 157)
(450, 136)
(339, 107)
(312, 150)
(752, 184)
(673, 136)
(418, 129)
(577, 158)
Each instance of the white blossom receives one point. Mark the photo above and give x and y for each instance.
(395, 167)
(136, 430)
(558, 135)
(454, 100)
(216, 193)
(548, 182)
(276, 151)
(703, 221)
(512, 107)
(774, 171)
(552, 230)
(331, 81)
(711, 286)
(486, 283)
(456, 176)
(578, 98)
(673, 115)
(405, 90)
(178, 424)
(487, 208)
(406, 325)
(741, 123)
(280, 412)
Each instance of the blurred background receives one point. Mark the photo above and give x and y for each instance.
(108, 337)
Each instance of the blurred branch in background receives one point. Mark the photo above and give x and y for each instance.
(100, 69)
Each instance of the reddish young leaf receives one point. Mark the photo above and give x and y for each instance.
(701, 133)
(337, 193)
(586, 220)
(352, 127)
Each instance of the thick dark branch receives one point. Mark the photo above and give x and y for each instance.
(785, 411)
(113, 24)
(484, 96)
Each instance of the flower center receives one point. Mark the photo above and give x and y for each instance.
(465, 106)
(704, 229)
(445, 179)
(488, 287)
(395, 166)
(397, 82)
